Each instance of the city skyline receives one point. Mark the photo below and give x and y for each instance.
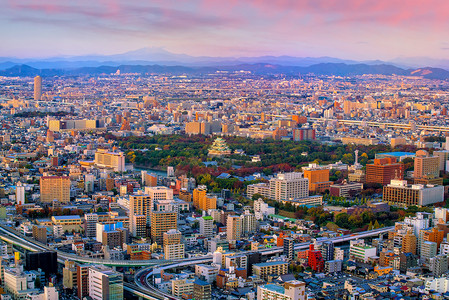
(350, 29)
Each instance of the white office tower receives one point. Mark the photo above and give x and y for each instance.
(289, 186)
(105, 283)
(20, 193)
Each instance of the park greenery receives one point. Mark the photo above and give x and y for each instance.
(187, 154)
(357, 221)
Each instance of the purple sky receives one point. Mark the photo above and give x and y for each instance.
(351, 29)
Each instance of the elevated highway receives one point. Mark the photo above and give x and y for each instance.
(143, 277)
(385, 124)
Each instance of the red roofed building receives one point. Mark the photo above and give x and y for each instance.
(316, 261)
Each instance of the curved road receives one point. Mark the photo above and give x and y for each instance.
(143, 288)
(142, 278)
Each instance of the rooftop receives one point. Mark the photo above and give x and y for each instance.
(275, 288)
(270, 263)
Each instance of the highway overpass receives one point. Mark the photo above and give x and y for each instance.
(142, 278)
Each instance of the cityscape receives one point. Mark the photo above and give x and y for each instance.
(247, 164)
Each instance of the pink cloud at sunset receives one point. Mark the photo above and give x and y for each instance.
(355, 29)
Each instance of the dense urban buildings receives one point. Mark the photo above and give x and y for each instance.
(259, 187)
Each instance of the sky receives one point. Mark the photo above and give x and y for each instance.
(349, 29)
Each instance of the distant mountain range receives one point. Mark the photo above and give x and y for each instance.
(158, 61)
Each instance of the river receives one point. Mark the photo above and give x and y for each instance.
(159, 173)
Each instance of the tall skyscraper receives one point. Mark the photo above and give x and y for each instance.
(38, 88)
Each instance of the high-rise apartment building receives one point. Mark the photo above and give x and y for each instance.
(431, 235)
(157, 193)
(90, 222)
(55, 188)
(181, 286)
(139, 205)
(69, 275)
(443, 156)
(162, 222)
(328, 250)
(40, 234)
(207, 226)
(288, 186)
(248, 223)
(149, 179)
(37, 88)
(198, 194)
(202, 290)
(428, 250)
(233, 227)
(138, 223)
(289, 248)
(438, 265)
(172, 237)
(174, 251)
(426, 165)
(82, 279)
(315, 259)
(409, 241)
